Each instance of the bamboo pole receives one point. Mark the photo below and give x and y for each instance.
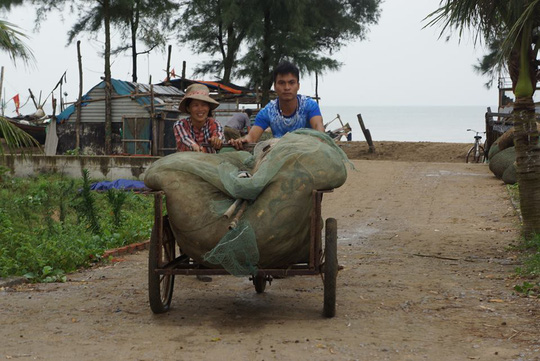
(236, 218)
(232, 208)
(113, 97)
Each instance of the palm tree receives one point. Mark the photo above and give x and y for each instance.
(10, 42)
(516, 22)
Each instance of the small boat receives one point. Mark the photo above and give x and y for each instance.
(37, 131)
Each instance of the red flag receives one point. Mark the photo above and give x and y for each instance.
(17, 103)
(173, 74)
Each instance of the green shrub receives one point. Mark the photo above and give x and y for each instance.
(49, 228)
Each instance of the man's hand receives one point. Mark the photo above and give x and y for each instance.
(238, 144)
(216, 143)
(252, 137)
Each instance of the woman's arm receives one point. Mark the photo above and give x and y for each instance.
(183, 138)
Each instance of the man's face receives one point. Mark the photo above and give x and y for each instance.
(286, 86)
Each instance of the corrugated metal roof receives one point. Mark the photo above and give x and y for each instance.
(165, 97)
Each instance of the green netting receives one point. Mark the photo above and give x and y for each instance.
(494, 149)
(237, 251)
(200, 187)
(502, 160)
(510, 176)
(506, 140)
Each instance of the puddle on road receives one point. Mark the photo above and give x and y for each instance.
(356, 234)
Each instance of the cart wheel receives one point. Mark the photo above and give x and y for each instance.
(330, 267)
(259, 281)
(160, 287)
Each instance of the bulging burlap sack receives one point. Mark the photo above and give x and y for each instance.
(200, 187)
(501, 161)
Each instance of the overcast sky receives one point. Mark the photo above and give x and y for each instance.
(399, 64)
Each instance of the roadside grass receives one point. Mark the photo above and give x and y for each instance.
(530, 254)
(51, 225)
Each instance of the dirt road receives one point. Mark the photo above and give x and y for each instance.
(427, 276)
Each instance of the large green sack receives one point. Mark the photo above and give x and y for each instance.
(506, 140)
(494, 149)
(510, 176)
(200, 187)
(501, 161)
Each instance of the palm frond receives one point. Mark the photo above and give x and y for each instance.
(11, 42)
(15, 138)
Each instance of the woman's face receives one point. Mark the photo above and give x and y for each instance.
(198, 110)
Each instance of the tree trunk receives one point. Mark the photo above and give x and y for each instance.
(79, 103)
(229, 56)
(227, 69)
(108, 86)
(134, 56)
(134, 27)
(265, 61)
(527, 164)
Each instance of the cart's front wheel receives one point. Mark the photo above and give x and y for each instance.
(160, 286)
(330, 267)
(259, 281)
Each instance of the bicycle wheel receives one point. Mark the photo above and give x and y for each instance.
(160, 287)
(473, 157)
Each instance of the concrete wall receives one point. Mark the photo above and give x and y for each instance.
(100, 167)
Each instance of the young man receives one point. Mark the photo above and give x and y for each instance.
(290, 111)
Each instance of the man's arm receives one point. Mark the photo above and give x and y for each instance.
(317, 123)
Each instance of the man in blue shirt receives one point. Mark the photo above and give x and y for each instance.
(290, 111)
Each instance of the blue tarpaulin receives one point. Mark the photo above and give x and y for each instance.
(123, 184)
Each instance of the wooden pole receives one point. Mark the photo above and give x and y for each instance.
(78, 104)
(169, 65)
(317, 87)
(154, 123)
(183, 81)
(33, 98)
(367, 134)
(1, 85)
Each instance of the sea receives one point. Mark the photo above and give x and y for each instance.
(447, 124)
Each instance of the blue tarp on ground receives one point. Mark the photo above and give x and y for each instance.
(123, 184)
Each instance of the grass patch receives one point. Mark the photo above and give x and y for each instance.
(51, 225)
(530, 255)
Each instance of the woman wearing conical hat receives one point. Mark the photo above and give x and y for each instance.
(200, 127)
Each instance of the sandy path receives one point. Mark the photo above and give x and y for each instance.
(426, 277)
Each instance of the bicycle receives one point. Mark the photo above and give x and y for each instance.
(476, 154)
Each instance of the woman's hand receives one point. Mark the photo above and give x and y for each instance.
(196, 148)
(216, 143)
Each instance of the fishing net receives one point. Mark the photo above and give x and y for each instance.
(510, 176)
(494, 149)
(506, 140)
(274, 186)
(502, 160)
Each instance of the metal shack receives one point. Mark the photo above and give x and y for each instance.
(136, 109)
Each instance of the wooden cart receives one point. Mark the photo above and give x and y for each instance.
(164, 263)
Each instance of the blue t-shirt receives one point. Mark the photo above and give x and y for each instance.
(270, 116)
